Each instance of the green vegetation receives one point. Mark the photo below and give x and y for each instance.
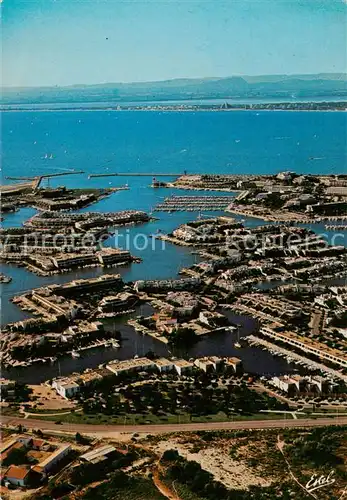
(90, 472)
(150, 418)
(319, 447)
(16, 392)
(274, 201)
(168, 398)
(196, 482)
(122, 486)
(182, 337)
(18, 456)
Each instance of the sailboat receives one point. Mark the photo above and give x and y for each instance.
(237, 344)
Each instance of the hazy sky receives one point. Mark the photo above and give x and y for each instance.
(63, 42)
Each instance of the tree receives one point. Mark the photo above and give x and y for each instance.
(273, 200)
(16, 457)
(79, 438)
(170, 455)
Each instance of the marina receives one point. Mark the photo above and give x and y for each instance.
(293, 357)
(194, 203)
(170, 262)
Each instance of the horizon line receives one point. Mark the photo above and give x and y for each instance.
(8, 87)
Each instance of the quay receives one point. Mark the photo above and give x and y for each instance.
(146, 331)
(299, 359)
(284, 217)
(95, 345)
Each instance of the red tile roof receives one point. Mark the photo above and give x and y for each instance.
(15, 446)
(38, 443)
(17, 472)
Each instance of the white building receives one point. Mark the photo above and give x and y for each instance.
(98, 454)
(65, 387)
(17, 475)
(208, 363)
(234, 363)
(182, 366)
(55, 457)
(130, 365)
(164, 365)
(318, 383)
(288, 383)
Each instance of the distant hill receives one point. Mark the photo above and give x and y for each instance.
(327, 85)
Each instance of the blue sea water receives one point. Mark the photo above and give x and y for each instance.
(238, 142)
(134, 142)
(235, 142)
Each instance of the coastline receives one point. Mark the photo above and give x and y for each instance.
(176, 110)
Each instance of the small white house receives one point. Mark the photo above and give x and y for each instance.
(17, 475)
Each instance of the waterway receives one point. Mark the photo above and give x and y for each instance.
(255, 360)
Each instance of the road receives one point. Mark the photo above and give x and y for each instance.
(107, 430)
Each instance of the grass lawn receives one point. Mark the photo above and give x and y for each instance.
(39, 411)
(138, 419)
(7, 410)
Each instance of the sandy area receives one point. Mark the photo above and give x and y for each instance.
(49, 398)
(233, 474)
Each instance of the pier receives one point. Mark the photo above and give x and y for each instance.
(337, 227)
(32, 182)
(194, 203)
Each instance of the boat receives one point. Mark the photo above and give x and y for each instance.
(230, 328)
(237, 344)
(75, 354)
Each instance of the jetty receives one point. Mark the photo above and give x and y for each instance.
(37, 179)
(134, 174)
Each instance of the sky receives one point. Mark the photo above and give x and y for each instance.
(66, 42)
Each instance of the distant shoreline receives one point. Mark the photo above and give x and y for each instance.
(178, 109)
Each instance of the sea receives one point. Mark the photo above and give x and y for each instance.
(39, 142)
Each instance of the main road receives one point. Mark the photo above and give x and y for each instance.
(107, 430)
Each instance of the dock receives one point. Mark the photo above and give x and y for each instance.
(337, 227)
(194, 203)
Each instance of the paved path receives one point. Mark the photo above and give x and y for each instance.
(107, 430)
